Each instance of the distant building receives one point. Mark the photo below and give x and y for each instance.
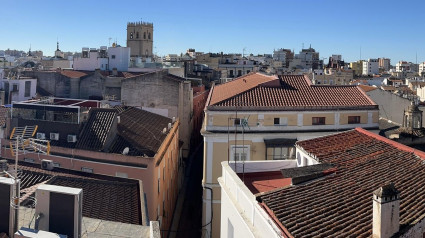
(332, 76)
(370, 67)
(403, 66)
(104, 59)
(140, 39)
(357, 67)
(384, 63)
(17, 90)
(307, 59)
(284, 56)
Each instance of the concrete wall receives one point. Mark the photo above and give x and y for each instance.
(391, 106)
(93, 85)
(157, 91)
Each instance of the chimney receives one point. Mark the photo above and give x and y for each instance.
(386, 211)
(115, 72)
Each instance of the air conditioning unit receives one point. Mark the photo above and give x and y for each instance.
(61, 208)
(54, 136)
(47, 164)
(7, 190)
(72, 138)
(41, 136)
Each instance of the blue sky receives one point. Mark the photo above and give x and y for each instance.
(392, 29)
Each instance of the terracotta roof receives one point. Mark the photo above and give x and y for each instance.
(105, 197)
(340, 205)
(139, 130)
(242, 84)
(388, 88)
(288, 92)
(367, 88)
(143, 129)
(97, 128)
(72, 73)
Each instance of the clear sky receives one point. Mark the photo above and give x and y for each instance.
(392, 29)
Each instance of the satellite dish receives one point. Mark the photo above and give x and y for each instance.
(125, 151)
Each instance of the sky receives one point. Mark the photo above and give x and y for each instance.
(391, 29)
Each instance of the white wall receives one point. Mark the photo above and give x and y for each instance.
(121, 60)
(20, 94)
(239, 206)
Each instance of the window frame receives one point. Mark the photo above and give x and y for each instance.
(239, 150)
(357, 119)
(315, 121)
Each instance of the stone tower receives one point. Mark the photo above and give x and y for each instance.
(412, 119)
(140, 39)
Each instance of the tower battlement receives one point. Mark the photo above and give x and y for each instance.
(140, 23)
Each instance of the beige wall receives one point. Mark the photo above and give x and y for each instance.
(257, 152)
(375, 117)
(223, 120)
(343, 118)
(269, 119)
(308, 118)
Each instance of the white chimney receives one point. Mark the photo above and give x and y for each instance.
(118, 119)
(169, 126)
(386, 211)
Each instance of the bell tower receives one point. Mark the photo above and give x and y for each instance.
(412, 117)
(140, 39)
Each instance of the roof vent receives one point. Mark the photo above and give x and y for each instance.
(118, 119)
(174, 119)
(164, 131)
(169, 126)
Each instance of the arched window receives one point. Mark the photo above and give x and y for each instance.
(149, 36)
(144, 35)
(137, 35)
(131, 35)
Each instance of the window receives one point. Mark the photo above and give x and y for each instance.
(137, 35)
(248, 71)
(113, 56)
(240, 153)
(280, 121)
(144, 35)
(281, 153)
(353, 119)
(27, 88)
(149, 35)
(231, 73)
(131, 35)
(237, 121)
(318, 120)
(239, 73)
(14, 87)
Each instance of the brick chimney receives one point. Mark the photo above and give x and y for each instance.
(386, 211)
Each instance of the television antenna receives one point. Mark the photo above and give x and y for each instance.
(22, 141)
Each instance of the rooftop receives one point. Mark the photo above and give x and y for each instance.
(340, 204)
(106, 198)
(257, 91)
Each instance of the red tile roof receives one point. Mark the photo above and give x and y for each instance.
(259, 182)
(340, 205)
(367, 88)
(288, 92)
(73, 73)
